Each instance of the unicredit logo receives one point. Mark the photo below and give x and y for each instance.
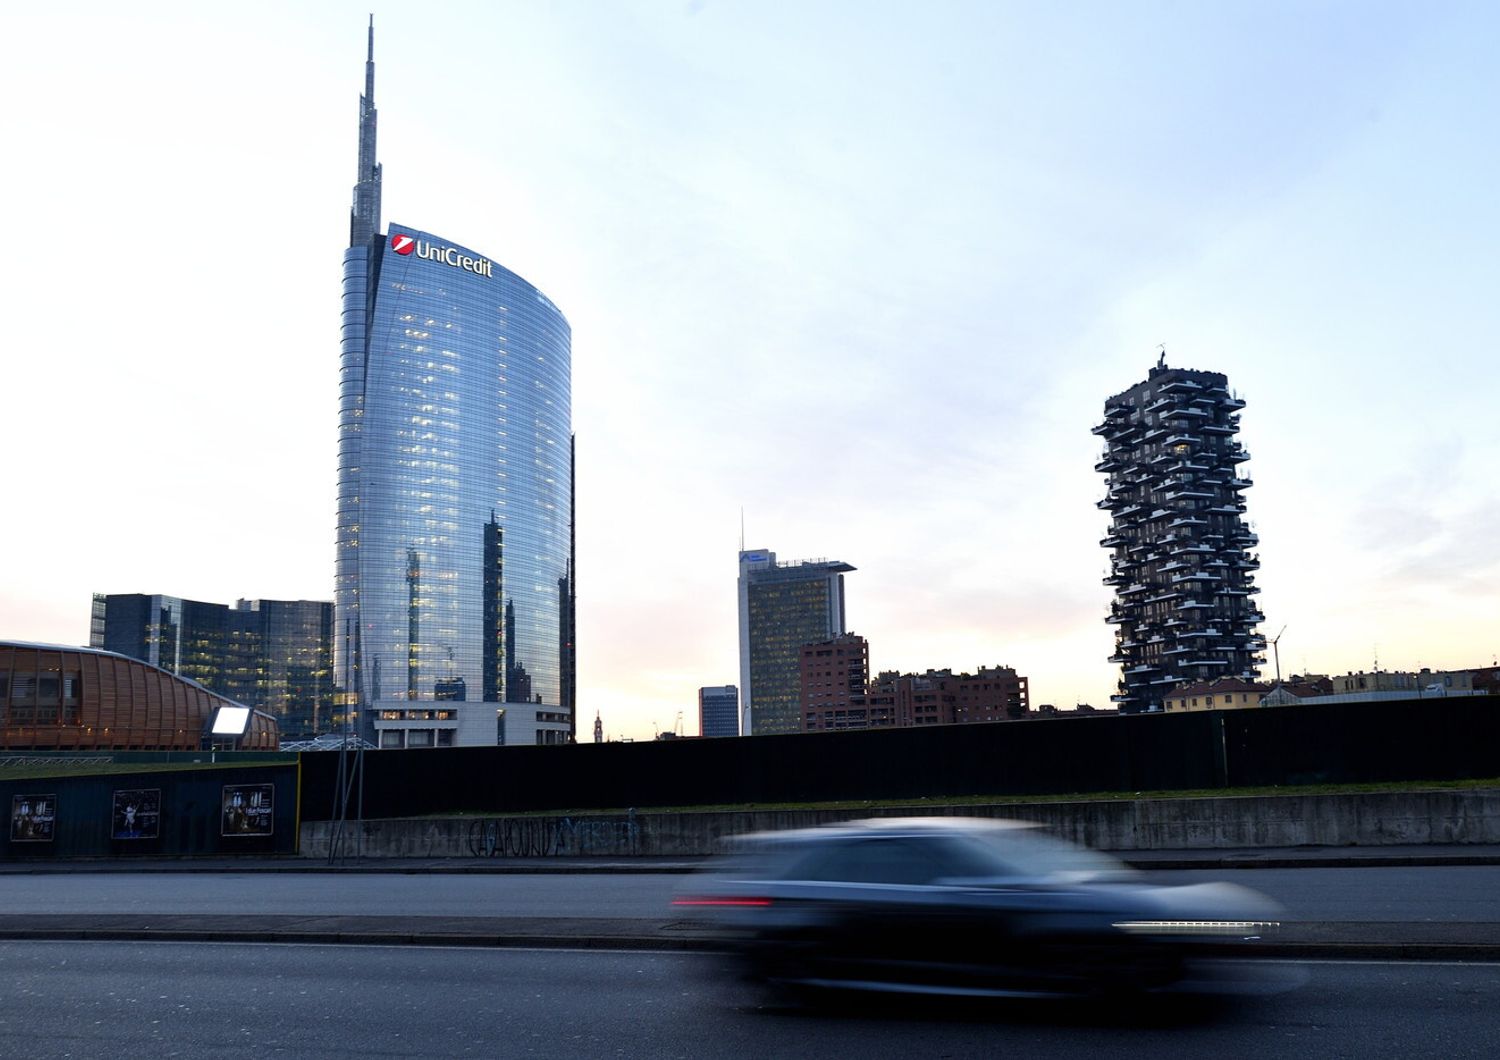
(447, 255)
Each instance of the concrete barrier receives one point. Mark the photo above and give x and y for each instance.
(1270, 821)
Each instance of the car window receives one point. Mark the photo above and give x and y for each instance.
(899, 860)
(1029, 852)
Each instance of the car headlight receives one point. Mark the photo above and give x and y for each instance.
(1235, 928)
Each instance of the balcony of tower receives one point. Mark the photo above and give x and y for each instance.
(1193, 548)
(1188, 520)
(1182, 386)
(1206, 663)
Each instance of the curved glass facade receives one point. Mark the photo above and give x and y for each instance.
(454, 510)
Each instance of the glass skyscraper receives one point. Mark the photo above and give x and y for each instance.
(454, 577)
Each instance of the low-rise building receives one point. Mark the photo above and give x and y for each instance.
(1225, 693)
(55, 698)
(1423, 680)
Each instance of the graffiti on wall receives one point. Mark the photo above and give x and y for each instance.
(542, 837)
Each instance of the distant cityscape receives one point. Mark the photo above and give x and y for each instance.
(453, 618)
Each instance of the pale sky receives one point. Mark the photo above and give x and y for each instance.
(864, 270)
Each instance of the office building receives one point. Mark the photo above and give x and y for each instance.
(1179, 545)
(272, 655)
(719, 710)
(783, 606)
(454, 589)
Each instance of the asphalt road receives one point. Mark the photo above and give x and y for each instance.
(1420, 894)
(105, 1000)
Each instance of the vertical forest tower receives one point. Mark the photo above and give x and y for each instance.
(1183, 575)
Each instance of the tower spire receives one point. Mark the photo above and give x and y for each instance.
(364, 218)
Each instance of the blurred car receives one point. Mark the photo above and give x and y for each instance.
(960, 906)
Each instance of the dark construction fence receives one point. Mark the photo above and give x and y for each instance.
(211, 810)
(1418, 739)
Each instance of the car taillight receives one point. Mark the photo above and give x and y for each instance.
(706, 901)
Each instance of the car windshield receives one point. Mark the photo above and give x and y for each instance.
(1030, 852)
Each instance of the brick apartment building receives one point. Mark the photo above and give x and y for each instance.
(837, 692)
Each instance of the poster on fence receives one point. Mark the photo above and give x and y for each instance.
(137, 814)
(33, 818)
(248, 809)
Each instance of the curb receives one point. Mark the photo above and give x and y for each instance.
(1176, 861)
(703, 943)
(1366, 861)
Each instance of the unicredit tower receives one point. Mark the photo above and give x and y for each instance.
(453, 603)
